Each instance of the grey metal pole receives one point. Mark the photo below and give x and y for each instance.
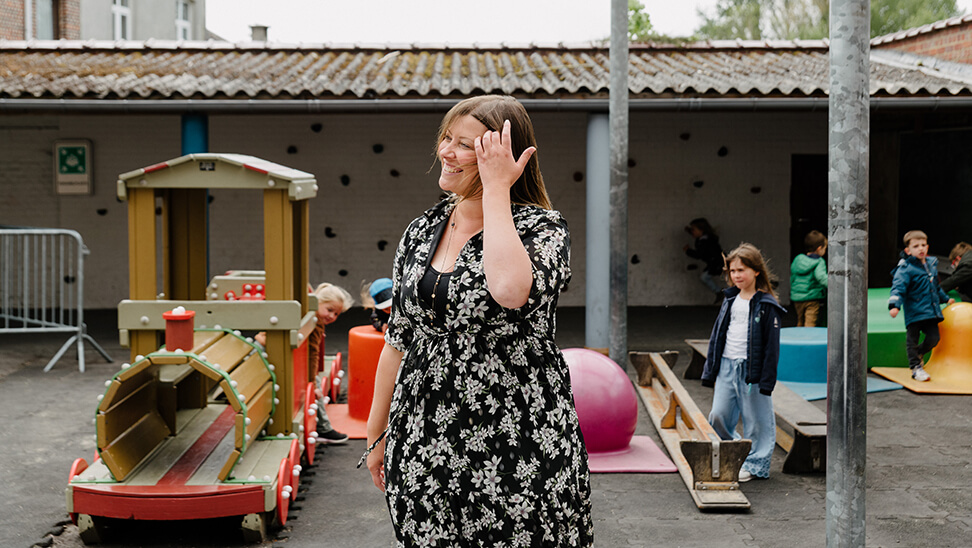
(618, 113)
(597, 294)
(847, 286)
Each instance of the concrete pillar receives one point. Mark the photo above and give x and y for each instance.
(597, 322)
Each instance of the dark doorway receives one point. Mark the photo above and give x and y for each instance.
(808, 198)
(936, 188)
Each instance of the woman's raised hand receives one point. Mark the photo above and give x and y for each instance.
(494, 154)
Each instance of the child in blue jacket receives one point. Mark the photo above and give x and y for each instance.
(916, 287)
(743, 351)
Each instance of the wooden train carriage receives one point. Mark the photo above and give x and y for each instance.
(218, 429)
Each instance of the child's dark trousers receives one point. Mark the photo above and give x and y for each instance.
(916, 350)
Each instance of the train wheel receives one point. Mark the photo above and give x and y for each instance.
(294, 456)
(335, 377)
(310, 423)
(91, 529)
(80, 465)
(284, 489)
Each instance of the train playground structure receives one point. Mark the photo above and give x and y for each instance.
(208, 424)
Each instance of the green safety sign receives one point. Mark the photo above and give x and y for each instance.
(72, 160)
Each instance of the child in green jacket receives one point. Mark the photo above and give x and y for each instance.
(808, 280)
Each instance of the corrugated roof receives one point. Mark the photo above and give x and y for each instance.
(198, 70)
(930, 27)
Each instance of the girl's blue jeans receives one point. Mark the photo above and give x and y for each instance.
(734, 399)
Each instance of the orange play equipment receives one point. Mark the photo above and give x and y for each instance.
(950, 365)
(364, 348)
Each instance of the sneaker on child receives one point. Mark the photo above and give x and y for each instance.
(744, 476)
(920, 375)
(331, 437)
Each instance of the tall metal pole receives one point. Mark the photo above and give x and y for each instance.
(618, 113)
(847, 287)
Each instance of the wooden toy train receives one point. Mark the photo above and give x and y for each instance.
(208, 425)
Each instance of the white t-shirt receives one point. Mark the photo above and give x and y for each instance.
(737, 338)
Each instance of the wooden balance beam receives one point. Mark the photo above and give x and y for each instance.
(709, 466)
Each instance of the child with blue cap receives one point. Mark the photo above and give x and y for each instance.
(380, 297)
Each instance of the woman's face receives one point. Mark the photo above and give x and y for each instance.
(457, 154)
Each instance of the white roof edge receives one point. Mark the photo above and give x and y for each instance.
(273, 169)
(915, 31)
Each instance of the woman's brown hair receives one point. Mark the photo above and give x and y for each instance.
(492, 111)
(751, 257)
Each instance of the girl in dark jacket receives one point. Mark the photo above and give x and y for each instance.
(743, 351)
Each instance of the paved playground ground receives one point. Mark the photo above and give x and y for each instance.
(919, 464)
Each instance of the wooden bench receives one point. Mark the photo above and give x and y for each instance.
(801, 431)
(145, 402)
(700, 347)
(801, 427)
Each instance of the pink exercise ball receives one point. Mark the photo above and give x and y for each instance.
(606, 402)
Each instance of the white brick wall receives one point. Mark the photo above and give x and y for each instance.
(377, 206)
(120, 144)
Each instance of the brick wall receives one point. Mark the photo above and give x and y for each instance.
(950, 44)
(69, 19)
(120, 144)
(11, 19)
(367, 197)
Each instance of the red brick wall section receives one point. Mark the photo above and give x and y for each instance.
(950, 44)
(69, 19)
(11, 19)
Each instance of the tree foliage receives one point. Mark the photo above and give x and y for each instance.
(639, 23)
(808, 19)
(640, 28)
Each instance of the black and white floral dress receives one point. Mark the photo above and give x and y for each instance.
(483, 444)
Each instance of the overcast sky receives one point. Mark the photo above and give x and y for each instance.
(438, 21)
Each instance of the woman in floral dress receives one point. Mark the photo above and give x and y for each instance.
(474, 434)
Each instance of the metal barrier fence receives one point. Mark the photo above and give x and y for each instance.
(42, 286)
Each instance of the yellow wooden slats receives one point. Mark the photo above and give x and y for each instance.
(250, 376)
(201, 340)
(119, 389)
(258, 411)
(126, 412)
(169, 359)
(128, 449)
(227, 352)
(228, 467)
(134, 369)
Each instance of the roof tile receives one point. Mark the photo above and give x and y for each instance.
(253, 70)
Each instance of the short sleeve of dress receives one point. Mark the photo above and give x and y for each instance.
(545, 236)
(399, 332)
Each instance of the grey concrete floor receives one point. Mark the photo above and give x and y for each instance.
(919, 450)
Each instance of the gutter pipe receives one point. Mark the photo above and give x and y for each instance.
(360, 106)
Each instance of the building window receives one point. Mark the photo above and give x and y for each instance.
(182, 20)
(47, 23)
(121, 14)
